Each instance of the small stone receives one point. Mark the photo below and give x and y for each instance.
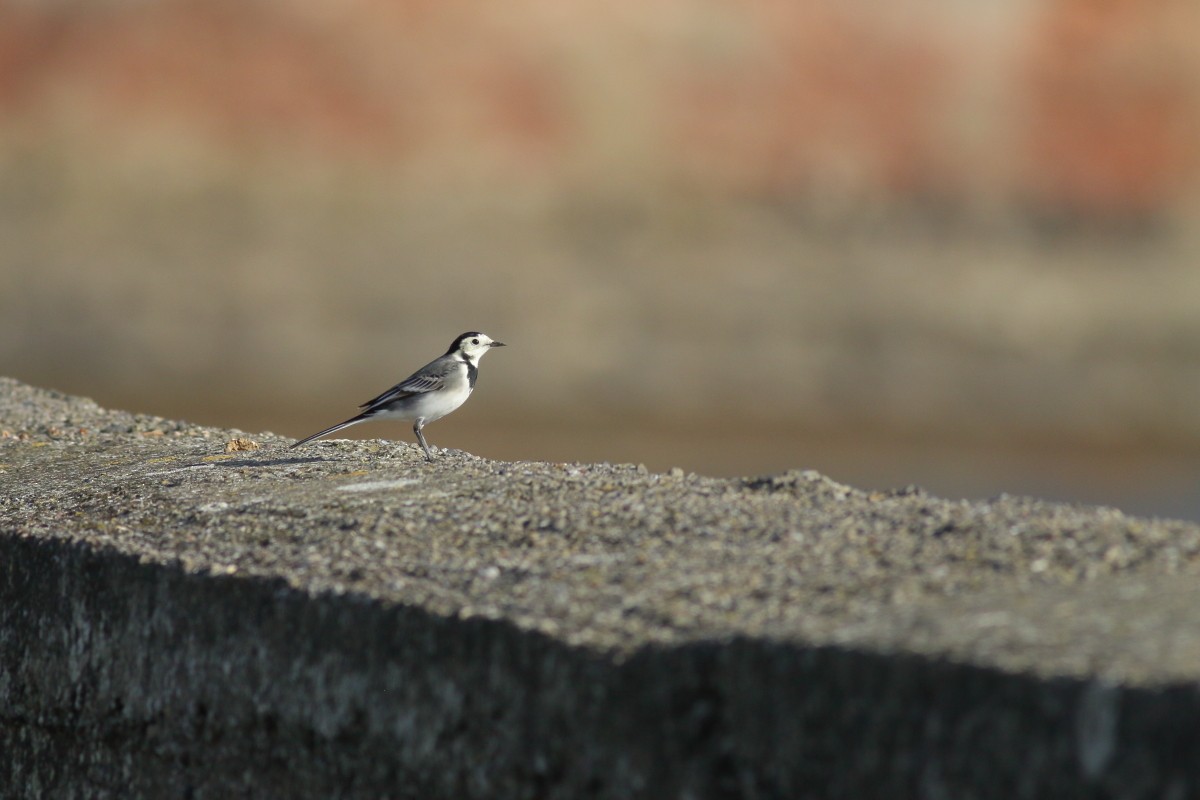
(239, 444)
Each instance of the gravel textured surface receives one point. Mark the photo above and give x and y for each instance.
(611, 557)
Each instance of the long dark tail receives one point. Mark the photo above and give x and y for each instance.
(352, 421)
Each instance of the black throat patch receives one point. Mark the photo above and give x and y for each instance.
(472, 372)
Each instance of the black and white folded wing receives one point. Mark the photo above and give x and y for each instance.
(428, 378)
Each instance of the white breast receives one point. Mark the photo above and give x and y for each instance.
(435, 405)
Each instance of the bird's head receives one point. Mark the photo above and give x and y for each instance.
(472, 345)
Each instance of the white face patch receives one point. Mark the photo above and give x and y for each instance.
(476, 346)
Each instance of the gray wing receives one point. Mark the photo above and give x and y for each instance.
(428, 378)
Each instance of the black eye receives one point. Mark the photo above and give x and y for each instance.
(474, 341)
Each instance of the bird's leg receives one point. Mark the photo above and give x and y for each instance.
(421, 438)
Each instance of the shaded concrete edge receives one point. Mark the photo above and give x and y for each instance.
(127, 679)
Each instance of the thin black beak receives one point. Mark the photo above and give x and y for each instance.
(497, 344)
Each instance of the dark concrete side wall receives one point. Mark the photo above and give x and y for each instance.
(123, 679)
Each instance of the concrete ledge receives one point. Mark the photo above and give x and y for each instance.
(179, 621)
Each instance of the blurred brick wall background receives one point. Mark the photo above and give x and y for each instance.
(735, 236)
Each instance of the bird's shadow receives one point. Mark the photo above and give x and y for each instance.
(273, 462)
(267, 462)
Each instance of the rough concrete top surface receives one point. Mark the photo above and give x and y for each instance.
(612, 557)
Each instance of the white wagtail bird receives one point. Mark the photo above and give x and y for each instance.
(428, 394)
